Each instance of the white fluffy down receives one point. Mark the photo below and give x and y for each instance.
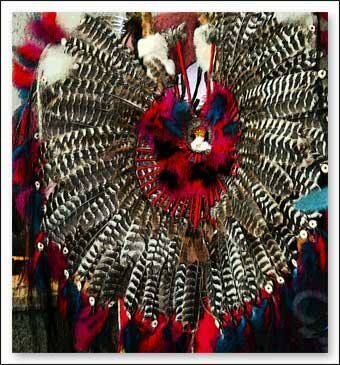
(155, 46)
(69, 21)
(302, 18)
(202, 47)
(54, 64)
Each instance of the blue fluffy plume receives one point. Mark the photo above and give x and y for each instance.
(256, 319)
(180, 117)
(23, 148)
(231, 128)
(34, 211)
(24, 93)
(310, 272)
(315, 201)
(240, 332)
(71, 292)
(217, 109)
(173, 127)
(41, 275)
(131, 337)
(228, 340)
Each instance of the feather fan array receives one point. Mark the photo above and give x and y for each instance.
(168, 208)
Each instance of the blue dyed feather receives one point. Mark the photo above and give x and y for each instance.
(34, 211)
(167, 335)
(216, 110)
(173, 127)
(240, 332)
(24, 93)
(105, 335)
(41, 276)
(231, 128)
(309, 261)
(72, 294)
(228, 340)
(181, 114)
(256, 319)
(131, 337)
(23, 148)
(315, 201)
(27, 63)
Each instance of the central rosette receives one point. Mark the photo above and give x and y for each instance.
(200, 144)
(182, 159)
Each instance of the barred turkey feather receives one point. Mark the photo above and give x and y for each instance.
(267, 204)
(179, 291)
(230, 298)
(276, 255)
(214, 288)
(191, 295)
(131, 299)
(234, 251)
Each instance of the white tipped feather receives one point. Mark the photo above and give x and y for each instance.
(54, 65)
(69, 21)
(155, 46)
(202, 47)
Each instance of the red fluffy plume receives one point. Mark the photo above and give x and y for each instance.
(88, 326)
(22, 76)
(207, 334)
(30, 51)
(46, 28)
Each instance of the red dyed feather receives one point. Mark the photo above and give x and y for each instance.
(22, 77)
(90, 323)
(57, 261)
(320, 248)
(62, 302)
(26, 165)
(46, 29)
(152, 339)
(20, 135)
(20, 173)
(31, 265)
(31, 51)
(176, 329)
(21, 203)
(207, 334)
